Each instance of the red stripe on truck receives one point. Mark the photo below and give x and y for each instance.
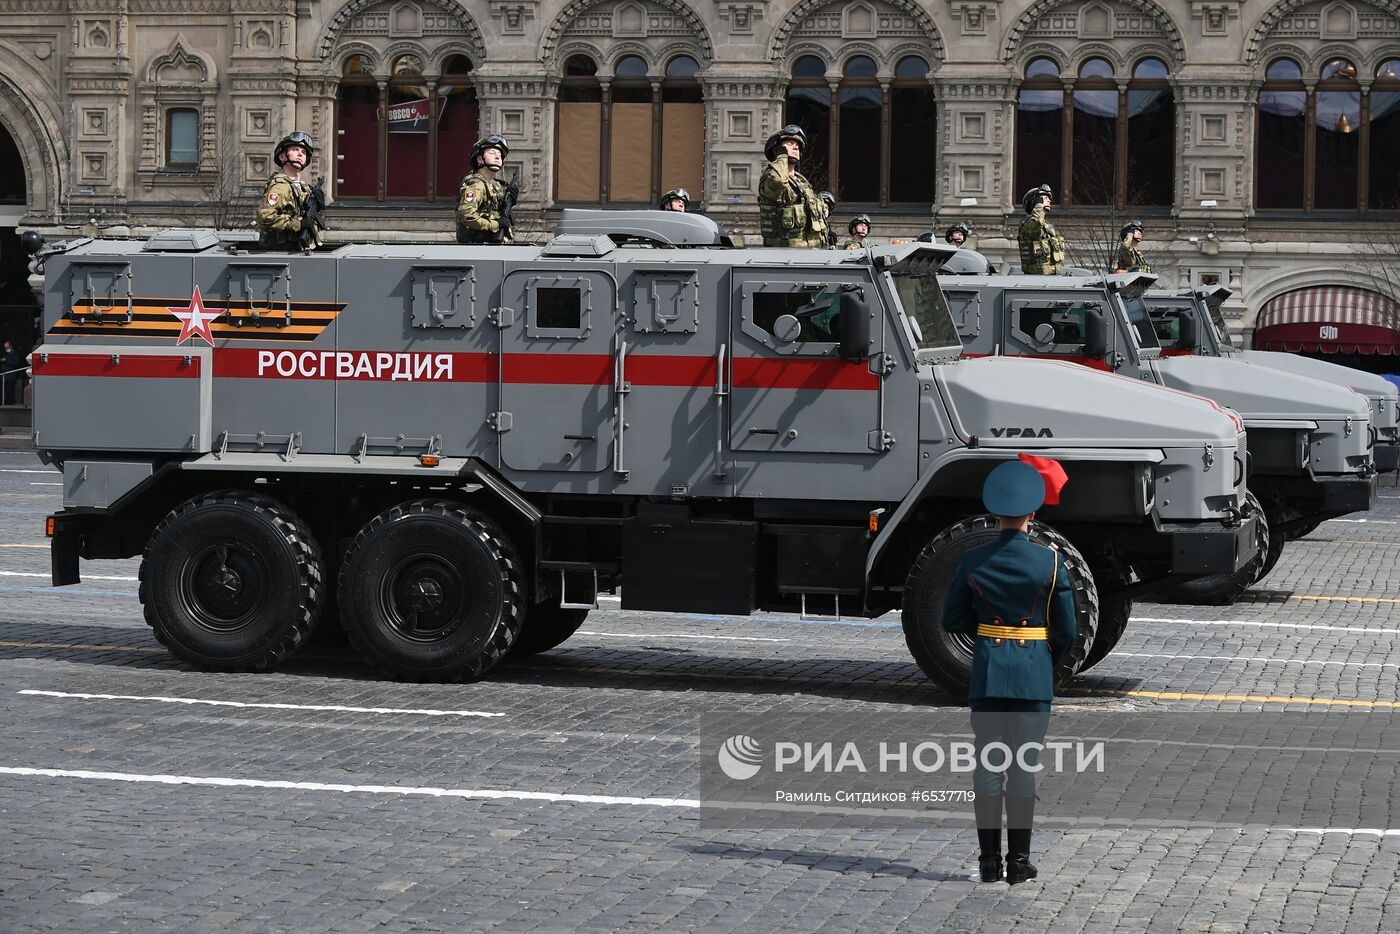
(123, 365)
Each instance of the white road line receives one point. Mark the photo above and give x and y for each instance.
(51, 473)
(43, 483)
(1363, 521)
(1255, 658)
(86, 577)
(425, 791)
(225, 703)
(1349, 831)
(1372, 630)
(674, 635)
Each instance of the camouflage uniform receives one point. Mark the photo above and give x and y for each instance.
(853, 244)
(279, 213)
(1042, 249)
(1130, 257)
(479, 203)
(789, 211)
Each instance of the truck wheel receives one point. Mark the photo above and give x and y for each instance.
(1306, 530)
(1275, 550)
(546, 625)
(232, 581)
(431, 591)
(947, 658)
(1225, 589)
(1113, 622)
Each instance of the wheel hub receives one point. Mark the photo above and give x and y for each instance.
(424, 594)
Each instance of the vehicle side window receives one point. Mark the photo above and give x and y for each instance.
(815, 311)
(1053, 328)
(1166, 323)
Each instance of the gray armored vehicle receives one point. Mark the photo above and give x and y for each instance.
(461, 446)
(1210, 335)
(1309, 441)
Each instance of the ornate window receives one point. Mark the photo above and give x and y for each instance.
(182, 138)
(628, 140)
(1327, 147)
(179, 117)
(861, 127)
(405, 132)
(1094, 143)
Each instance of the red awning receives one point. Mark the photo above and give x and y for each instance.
(1329, 319)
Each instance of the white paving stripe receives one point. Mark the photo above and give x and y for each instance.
(416, 790)
(1259, 624)
(1255, 658)
(1363, 521)
(51, 473)
(674, 635)
(43, 483)
(425, 712)
(86, 577)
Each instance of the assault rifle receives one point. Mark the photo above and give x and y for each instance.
(314, 220)
(512, 195)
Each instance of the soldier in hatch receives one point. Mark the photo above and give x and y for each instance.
(1042, 249)
(282, 211)
(789, 211)
(481, 216)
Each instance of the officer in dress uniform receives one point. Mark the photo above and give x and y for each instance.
(285, 195)
(789, 211)
(859, 229)
(1016, 598)
(957, 234)
(677, 199)
(481, 197)
(1042, 249)
(1129, 256)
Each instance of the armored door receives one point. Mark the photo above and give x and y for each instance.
(559, 368)
(791, 392)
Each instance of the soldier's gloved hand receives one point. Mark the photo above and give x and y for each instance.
(505, 227)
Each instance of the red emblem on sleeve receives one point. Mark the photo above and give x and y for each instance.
(471, 196)
(272, 197)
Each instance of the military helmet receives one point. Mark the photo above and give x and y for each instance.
(295, 138)
(674, 193)
(1031, 198)
(494, 141)
(859, 219)
(966, 231)
(925, 237)
(774, 144)
(1128, 227)
(829, 198)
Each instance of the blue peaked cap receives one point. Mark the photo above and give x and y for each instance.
(1014, 488)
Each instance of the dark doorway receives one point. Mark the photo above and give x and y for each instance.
(18, 310)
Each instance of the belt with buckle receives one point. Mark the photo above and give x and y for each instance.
(1020, 633)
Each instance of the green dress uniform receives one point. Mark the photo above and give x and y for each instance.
(1130, 257)
(479, 203)
(279, 213)
(1042, 249)
(789, 211)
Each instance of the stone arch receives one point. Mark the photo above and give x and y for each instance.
(1369, 63)
(1082, 53)
(558, 32)
(1286, 50)
(1297, 277)
(346, 50)
(574, 47)
(1269, 21)
(850, 50)
(467, 33)
(182, 63)
(621, 50)
(37, 134)
(779, 49)
(1034, 50)
(1166, 26)
(406, 47)
(816, 50)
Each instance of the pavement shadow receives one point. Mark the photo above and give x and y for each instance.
(825, 861)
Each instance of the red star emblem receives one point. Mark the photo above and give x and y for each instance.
(194, 320)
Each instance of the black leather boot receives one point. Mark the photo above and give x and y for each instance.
(1020, 815)
(987, 808)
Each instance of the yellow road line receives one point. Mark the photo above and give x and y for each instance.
(1252, 698)
(79, 645)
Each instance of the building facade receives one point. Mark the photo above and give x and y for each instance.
(1255, 139)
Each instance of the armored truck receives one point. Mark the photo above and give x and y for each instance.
(1206, 334)
(459, 447)
(1309, 441)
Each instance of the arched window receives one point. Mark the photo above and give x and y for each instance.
(1099, 147)
(1319, 146)
(407, 139)
(871, 121)
(1384, 129)
(655, 137)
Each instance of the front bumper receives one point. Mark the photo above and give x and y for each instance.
(1387, 454)
(1210, 547)
(1341, 495)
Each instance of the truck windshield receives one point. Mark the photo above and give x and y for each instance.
(1141, 323)
(923, 302)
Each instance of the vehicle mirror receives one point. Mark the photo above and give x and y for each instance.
(1045, 333)
(787, 328)
(1187, 331)
(855, 327)
(1096, 334)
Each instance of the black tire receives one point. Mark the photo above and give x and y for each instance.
(1306, 530)
(1225, 589)
(947, 658)
(1276, 543)
(431, 591)
(232, 581)
(1113, 623)
(547, 625)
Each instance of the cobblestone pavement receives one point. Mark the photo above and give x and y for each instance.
(558, 795)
